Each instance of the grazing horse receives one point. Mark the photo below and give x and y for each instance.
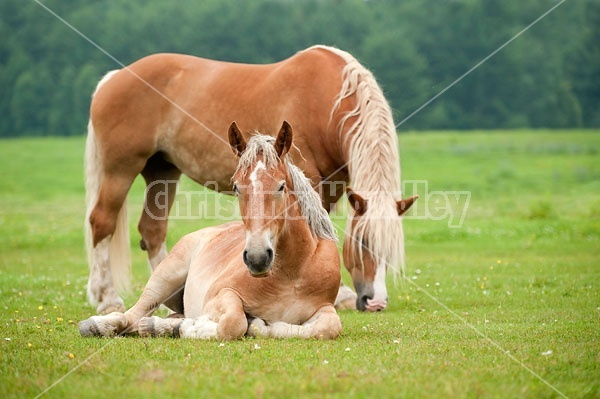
(275, 274)
(167, 114)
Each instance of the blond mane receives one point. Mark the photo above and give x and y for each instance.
(377, 179)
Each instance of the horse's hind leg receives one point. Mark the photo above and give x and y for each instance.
(161, 186)
(103, 221)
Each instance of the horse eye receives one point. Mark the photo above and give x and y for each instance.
(282, 187)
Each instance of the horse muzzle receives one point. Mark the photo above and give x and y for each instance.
(366, 304)
(367, 300)
(259, 262)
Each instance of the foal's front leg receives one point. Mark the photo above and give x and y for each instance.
(324, 324)
(165, 282)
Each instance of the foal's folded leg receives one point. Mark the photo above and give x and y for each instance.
(198, 328)
(324, 324)
(225, 320)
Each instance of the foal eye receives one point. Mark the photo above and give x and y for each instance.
(282, 187)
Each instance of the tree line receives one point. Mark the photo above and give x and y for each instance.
(548, 76)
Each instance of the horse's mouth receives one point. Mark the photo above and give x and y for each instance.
(260, 275)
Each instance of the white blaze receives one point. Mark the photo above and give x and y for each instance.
(254, 175)
(379, 288)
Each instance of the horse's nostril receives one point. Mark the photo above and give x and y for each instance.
(269, 255)
(245, 256)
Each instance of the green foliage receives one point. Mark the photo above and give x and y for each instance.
(530, 285)
(548, 77)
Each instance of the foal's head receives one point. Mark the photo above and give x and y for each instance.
(373, 230)
(260, 182)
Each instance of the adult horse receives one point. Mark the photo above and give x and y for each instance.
(168, 114)
(286, 241)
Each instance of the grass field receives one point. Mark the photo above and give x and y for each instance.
(505, 306)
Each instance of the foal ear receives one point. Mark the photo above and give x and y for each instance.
(404, 204)
(283, 142)
(236, 140)
(358, 203)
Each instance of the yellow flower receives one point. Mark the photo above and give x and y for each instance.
(40, 307)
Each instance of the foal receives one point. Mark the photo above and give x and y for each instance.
(275, 274)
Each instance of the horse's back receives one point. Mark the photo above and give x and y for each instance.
(182, 106)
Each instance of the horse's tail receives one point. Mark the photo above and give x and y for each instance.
(371, 134)
(120, 256)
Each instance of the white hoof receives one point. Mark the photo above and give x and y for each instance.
(256, 327)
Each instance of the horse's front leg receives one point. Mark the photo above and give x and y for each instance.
(324, 324)
(166, 282)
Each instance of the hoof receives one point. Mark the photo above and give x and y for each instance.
(89, 328)
(158, 327)
(256, 327)
(346, 299)
(348, 304)
(103, 326)
(146, 327)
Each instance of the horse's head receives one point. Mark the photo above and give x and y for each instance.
(370, 230)
(260, 184)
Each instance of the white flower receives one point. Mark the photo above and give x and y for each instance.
(347, 349)
(547, 353)
(256, 346)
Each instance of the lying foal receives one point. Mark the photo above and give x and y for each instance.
(275, 274)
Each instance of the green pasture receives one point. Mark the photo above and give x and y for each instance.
(504, 305)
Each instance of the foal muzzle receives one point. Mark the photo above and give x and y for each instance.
(259, 262)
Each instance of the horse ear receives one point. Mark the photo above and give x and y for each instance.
(283, 142)
(358, 203)
(236, 140)
(404, 204)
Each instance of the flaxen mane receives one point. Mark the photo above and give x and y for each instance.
(372, 132)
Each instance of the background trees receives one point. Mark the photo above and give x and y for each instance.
(548, 77)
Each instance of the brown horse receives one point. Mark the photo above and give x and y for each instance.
(286, 241)
(167, 114)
